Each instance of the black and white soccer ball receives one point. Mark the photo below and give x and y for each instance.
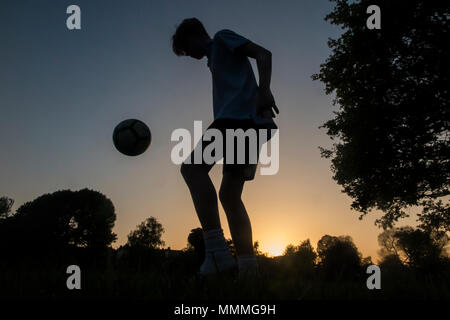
(132, 137)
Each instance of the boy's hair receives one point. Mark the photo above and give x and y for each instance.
(187, 28)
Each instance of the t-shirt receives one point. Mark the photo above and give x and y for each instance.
(235, 91)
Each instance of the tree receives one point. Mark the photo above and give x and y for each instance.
(391, 132)
(388, 243)
(195, 241)
(289, 250)
(300, 259)
(413, 246)
(256, 249)
(5, 207)
(304, 250)
(65, 218)
(435, 217)
(392, 264)
(339, 257)
(147, 235)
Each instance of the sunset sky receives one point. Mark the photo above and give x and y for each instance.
(62, 93)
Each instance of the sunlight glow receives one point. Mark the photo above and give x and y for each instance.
(275, 249)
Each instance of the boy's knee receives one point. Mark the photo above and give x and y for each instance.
(186, 171)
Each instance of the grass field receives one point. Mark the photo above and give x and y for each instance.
(174, 278)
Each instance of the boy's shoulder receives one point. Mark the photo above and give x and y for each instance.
(224, 33)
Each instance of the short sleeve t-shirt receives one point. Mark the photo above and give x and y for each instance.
(235, 91)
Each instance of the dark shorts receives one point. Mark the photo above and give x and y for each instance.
(244, 160)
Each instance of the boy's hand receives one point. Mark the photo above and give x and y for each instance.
(266, 104)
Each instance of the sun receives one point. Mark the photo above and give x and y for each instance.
(275, 249)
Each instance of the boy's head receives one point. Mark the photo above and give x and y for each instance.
(190, 39)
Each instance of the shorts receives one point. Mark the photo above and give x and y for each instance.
(244, 160)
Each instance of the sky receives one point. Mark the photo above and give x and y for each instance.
(63, 91)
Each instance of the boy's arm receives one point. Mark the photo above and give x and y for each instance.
(263, 59)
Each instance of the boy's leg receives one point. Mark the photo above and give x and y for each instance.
(230, 196)
(204, 196)
(238, 221)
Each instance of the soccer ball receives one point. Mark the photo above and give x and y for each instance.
(132, 137)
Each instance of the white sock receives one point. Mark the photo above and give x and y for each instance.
(217, 257)
(247, 264)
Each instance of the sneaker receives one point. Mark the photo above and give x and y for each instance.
(217, 261)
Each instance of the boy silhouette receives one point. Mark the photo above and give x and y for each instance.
(238, 103)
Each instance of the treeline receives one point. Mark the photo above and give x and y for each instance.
(66, 227)
(65, 220)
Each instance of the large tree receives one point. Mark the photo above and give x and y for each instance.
(83, 218)
(339, 256)
(412, 246)
(391, 134)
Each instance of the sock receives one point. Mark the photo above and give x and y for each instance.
(217, 256)
(214, 240)
(247, 264)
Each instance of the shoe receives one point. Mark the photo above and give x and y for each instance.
(217, 261)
